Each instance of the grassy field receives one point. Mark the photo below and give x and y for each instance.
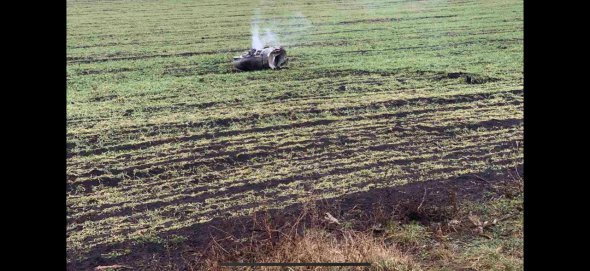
(163, 136)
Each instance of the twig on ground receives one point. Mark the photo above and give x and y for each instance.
(229, 234)
(218, 245)
(111, 267)
(422, 202)
(482, 179)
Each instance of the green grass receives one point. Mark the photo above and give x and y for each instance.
(163, 135)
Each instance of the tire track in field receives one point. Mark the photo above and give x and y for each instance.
(335, 111)
(371, 147)
(345, 168)
(336, 143)
(375, 148)
(221, 146)
(234, 198)
(169, 157)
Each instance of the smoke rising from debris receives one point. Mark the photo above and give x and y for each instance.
(268, 39)
(256, 41)
(293, 27)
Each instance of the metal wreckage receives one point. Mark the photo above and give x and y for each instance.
(266, 58)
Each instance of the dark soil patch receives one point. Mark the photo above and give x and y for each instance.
(382, 20)
(140, 57)
(92, 72)
(468, 78)
(103, 98)
(88, 185)
(287, 95)
(128, 112)
(426, 202)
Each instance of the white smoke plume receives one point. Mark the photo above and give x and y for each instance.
(256, 41)
(299, 26)
(292, 25)
(269, 38)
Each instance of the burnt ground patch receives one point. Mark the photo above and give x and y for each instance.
(425, 202)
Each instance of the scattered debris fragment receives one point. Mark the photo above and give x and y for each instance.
(331, 219)
(480, 226)
(111, 267)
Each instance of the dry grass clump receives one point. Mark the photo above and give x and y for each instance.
(483, 235)
(314, 236)
(318, 245)
(321, 246)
